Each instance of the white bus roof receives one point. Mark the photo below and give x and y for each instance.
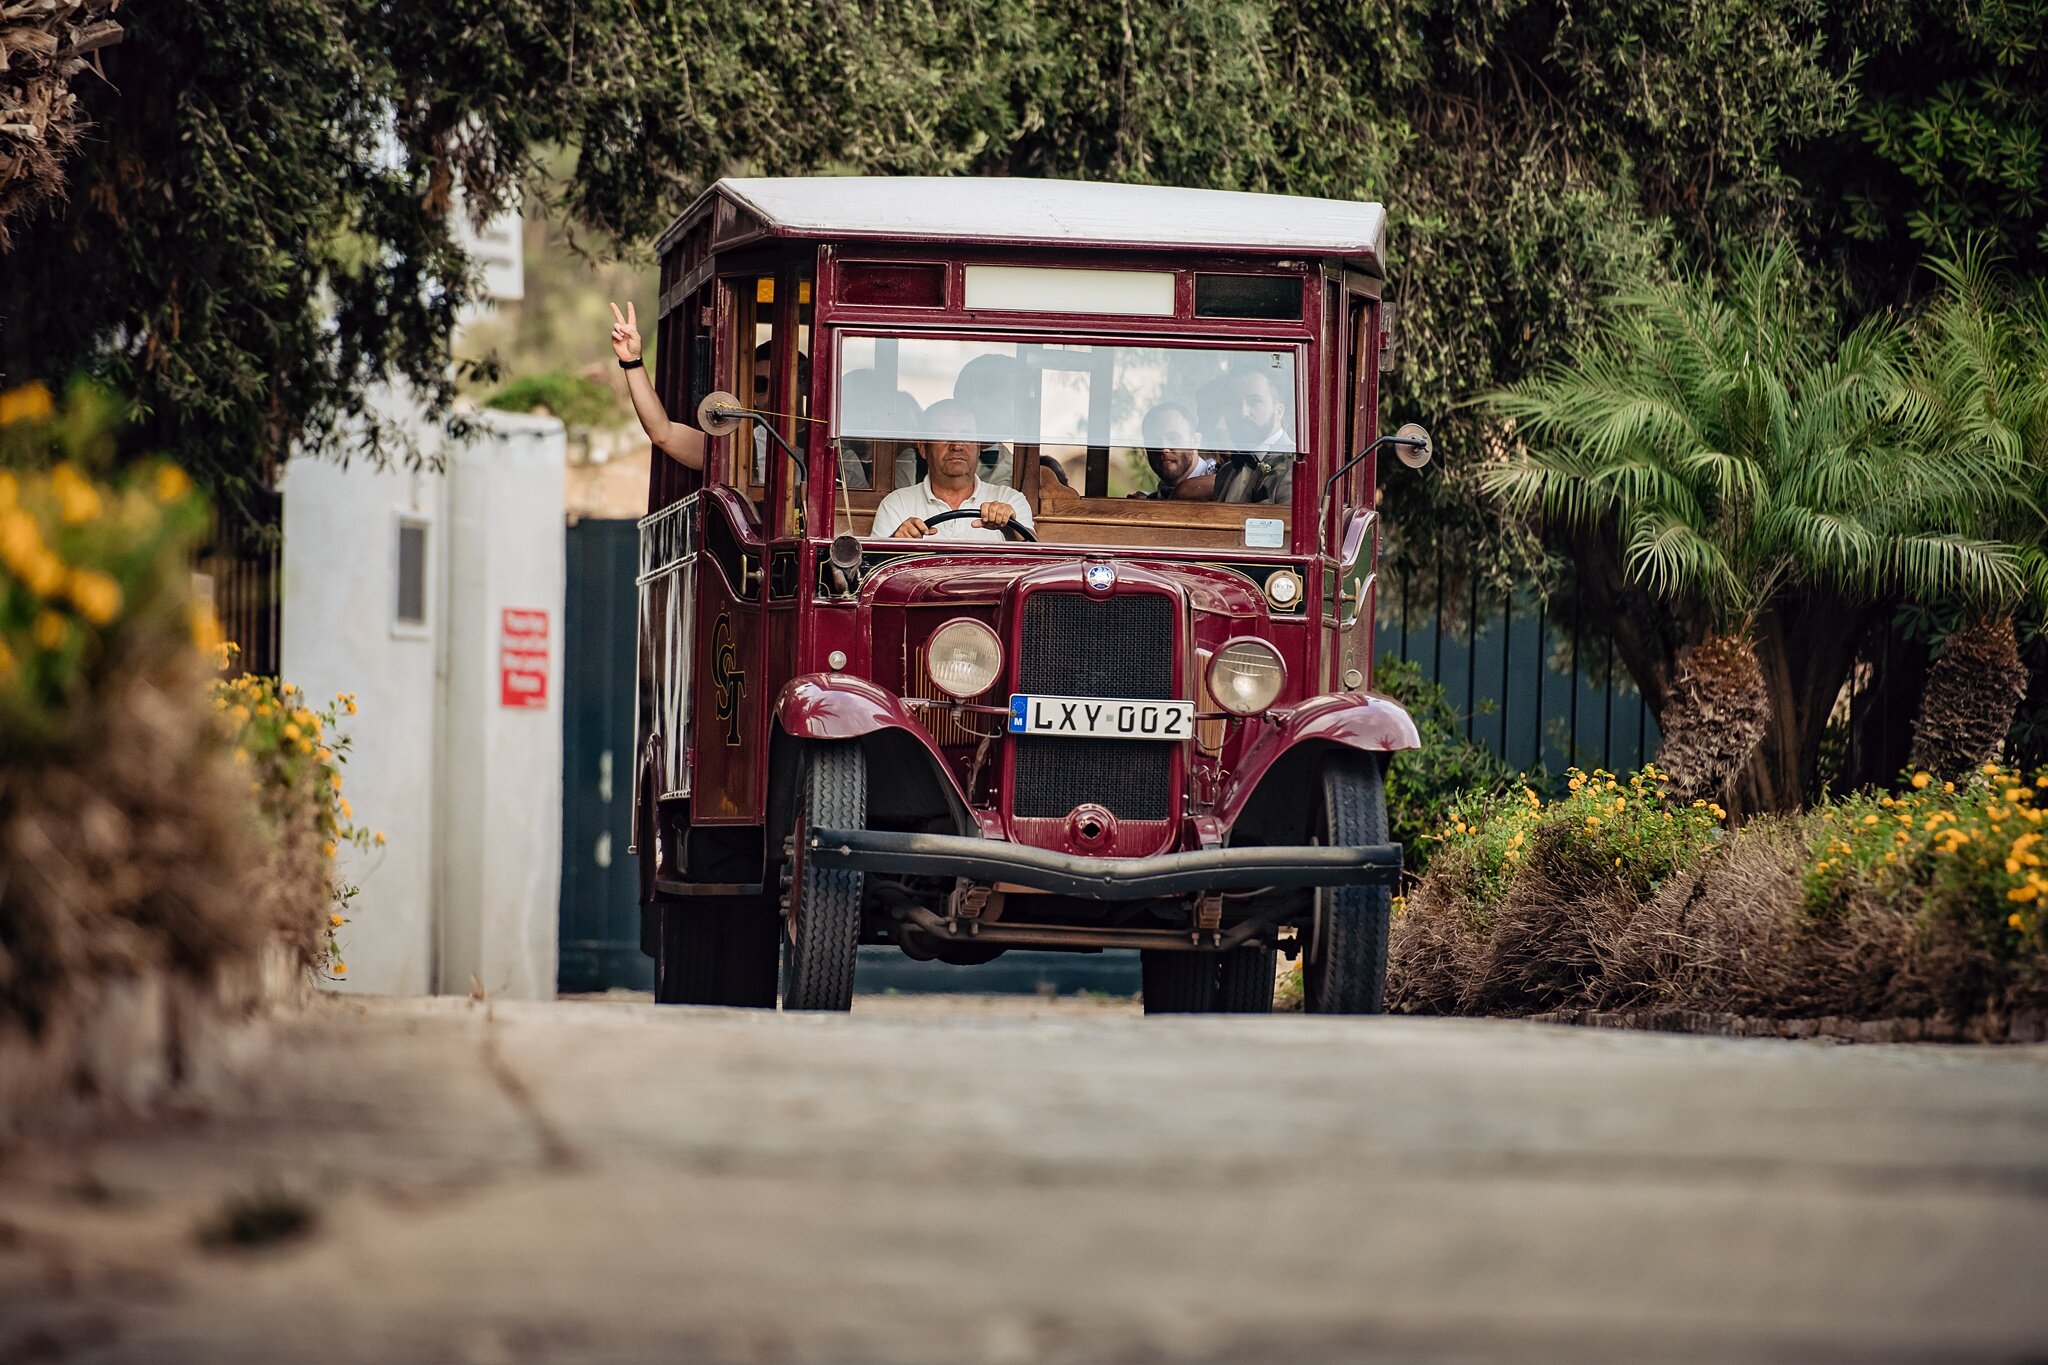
(1061, 213)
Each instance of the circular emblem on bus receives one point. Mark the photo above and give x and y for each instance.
(1099, 577)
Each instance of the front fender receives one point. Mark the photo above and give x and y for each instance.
(1348, 720)
(836, 706)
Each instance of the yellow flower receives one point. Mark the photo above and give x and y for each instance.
(1920, 780)
(6, 662)
(98, 596)
(324, 753)
(291, 730)
(2042, 780)
(1617, 862)
(171, 483)
(327, 849)
(340, 969)
(337, 781)
(29, 403)
(2012, 865)
(51, 630)
(2015, 921)
(379, 838)
(241, 755)
(77, 499)
(1870, 819)
(2017, 794)
(1592, 821)
(1620, 802)
(1948, 787)
(1718, 813)
(336, 920)
(205, 628)
(1990, 770)
(2023, 893)
(346, 812)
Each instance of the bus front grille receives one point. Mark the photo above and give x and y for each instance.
(1075, 646)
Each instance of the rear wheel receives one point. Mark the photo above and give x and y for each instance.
(715, 954)
(1177, 982)
(822, 922)
(1344, 965)
(1244, 985)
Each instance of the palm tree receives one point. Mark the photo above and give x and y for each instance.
(1977, 394)
(1724, 464)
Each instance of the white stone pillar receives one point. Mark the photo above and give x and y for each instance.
(500, 755)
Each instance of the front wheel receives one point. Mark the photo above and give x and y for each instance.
(821, 920)
(1344, 966)
(1176, 982)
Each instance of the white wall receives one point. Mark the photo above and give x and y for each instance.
(467, 792)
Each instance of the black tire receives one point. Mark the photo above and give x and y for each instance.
(1177, 982)
(715, 954)
(1344, 965)
(1244, 984)
(822, 936)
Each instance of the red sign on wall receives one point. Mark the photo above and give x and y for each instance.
(523, 658)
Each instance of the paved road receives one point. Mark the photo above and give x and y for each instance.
(992, 1181)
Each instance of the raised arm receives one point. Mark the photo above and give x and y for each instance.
(678, 440)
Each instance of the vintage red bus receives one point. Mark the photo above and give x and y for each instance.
(1134, 717)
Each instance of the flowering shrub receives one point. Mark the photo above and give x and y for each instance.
(294, 754)
(146, 823)
(1968, 854)
(94, 576)
(1629, 830)
(1924, 903)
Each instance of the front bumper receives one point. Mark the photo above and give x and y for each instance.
(1117, 879)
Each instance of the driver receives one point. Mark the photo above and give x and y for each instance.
(951, 454)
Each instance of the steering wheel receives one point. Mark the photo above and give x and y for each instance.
(1010, 528)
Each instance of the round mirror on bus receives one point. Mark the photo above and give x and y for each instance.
(1411, 445)
(718, 414)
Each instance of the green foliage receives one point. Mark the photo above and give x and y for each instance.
(1423, 786)
(264, 229)
(576, 400)
(1735, 444)
(1953, 127)
(1976, 397)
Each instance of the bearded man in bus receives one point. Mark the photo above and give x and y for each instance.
(952, 457)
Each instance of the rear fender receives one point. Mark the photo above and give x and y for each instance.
(1275, 766)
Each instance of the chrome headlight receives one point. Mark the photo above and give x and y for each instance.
(1245, 676)
(963, 658)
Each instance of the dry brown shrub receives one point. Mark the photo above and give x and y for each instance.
(1730, 934)
(137, 848)
(1553, 937)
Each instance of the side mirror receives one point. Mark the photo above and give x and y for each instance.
(720, 414)
(1412, 445)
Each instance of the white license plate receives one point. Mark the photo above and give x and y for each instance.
(1100, 717)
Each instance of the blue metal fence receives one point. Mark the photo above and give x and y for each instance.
(1537, 688)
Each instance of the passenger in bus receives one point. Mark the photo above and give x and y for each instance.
(1260, 467)
(989, 385)
(952, 453)
(680, 441)
(1174, 451)
(866, 404)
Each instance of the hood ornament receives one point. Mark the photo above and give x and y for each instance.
(1099, 577)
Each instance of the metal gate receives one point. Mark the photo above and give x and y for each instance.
(600, 929)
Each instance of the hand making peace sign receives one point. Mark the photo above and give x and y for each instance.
(626, 332)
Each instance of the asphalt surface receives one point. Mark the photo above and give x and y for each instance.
(1010, 1181)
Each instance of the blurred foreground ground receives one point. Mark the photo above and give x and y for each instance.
(1009, 1179)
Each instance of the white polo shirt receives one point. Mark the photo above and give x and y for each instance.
(919, 501)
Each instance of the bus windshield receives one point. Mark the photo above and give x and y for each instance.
(1107, 421)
